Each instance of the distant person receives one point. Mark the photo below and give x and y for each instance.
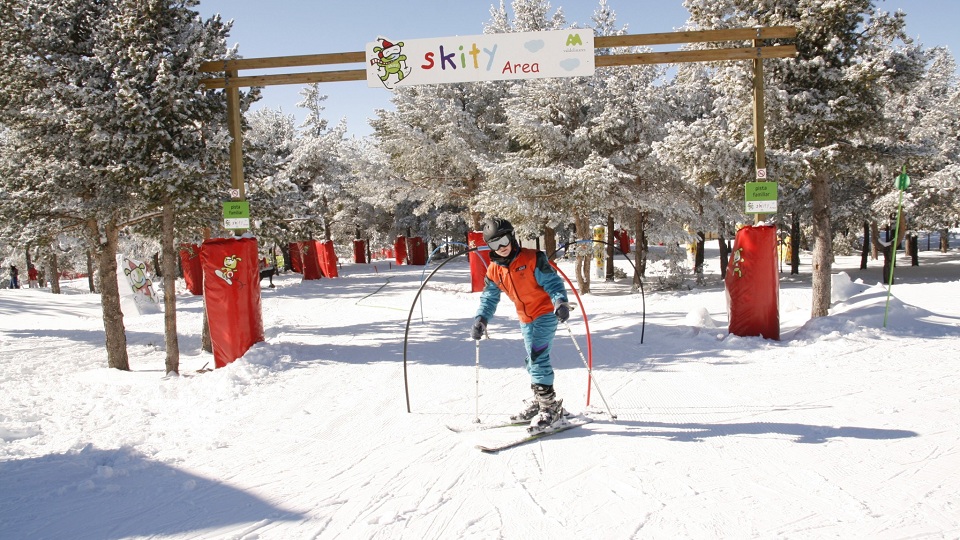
(32, 277)
(14, 277)
(528, 278)
(267, 270)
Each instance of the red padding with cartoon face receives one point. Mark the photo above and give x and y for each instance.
(231, 290)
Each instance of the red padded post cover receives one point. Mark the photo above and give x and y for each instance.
(400, 248)
(359, 251)
(328, 259)
(623, 241)
(296, 260)
(310, 255)
(192, 271)
(231, 290)
(417, 250)
(479, 260)
(753, 283)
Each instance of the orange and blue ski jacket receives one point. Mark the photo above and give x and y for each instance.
(528, 278)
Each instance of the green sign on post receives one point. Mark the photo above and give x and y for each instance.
(903, 181)
(761, 197)
(236, 215)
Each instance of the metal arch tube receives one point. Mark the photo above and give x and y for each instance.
(406, 331)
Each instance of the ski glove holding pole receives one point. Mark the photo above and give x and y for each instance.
(479, 327)
(563, 311)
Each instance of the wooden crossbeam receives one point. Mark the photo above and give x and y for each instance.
(232, 82)
(600, 42)
(696, 36)
(671, 57)
(703, 55)
(357, 57)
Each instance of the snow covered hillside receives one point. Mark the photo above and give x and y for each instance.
(843, 429)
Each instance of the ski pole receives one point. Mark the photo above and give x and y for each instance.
(590, 371)
(477, 419)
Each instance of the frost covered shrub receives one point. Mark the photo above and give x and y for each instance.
(667, 264)
(847, 244)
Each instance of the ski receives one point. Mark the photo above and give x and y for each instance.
(484, 427)
(497, 425)
(533, 436)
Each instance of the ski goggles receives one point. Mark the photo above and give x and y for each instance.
(496, 243)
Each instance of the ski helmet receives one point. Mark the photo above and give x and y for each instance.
(495, 228)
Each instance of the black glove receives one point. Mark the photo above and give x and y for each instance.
(563, 311)
(479, 327)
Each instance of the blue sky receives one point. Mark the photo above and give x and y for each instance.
(295, 27)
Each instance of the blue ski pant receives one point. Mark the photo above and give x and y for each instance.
(538, 339)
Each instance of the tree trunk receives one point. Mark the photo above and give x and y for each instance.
(288, 262)
(724, 251)
(944, 240)
(865, 250)
(91, 282)
(326, 220)
(795, 244)
(914, 250)
(476, 217)
(888, 260)
(584, 256)
(169, 275)
(640, 253)
(29, 262)
(53, 271)
(822, 257)
(724, 256)
(205, 342)
(549, 241)
(114, 331)
(888, 250)
(698, 256)
(609, 269)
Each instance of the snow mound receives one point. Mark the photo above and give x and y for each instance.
(700, 318)
(842, 288)
(875, 309)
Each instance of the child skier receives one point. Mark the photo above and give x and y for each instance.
(528, 278)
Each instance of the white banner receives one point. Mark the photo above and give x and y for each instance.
(485, 57)
(137, 296)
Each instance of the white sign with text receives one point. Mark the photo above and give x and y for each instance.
(485, 57)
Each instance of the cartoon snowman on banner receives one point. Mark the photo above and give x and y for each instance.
(391, 62)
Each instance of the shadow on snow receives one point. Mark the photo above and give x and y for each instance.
(113, 494)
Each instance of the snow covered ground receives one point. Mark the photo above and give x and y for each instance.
(843, 429)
